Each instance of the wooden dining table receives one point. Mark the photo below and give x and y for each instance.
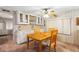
(41, 36)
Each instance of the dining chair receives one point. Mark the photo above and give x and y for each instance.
(52, 42)
(33, 43)
(36, 29)
(51, 29)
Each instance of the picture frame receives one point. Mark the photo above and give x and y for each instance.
(77, 21)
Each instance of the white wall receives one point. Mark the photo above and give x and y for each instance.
(6, 15)
(73, 38)
(9, 25)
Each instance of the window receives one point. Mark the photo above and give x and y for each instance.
(63, 25)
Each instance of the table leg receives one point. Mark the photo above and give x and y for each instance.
(50, 45)
(27, 42)
(55, 47)
(40, 46)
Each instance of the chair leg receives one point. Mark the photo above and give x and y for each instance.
(27, 42)
(49, 48)
(55, 47)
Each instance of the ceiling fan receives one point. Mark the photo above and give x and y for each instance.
(49, 12)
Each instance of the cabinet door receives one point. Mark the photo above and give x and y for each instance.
(26, 19)
(32, 19)
(40, 21)
(22, 18)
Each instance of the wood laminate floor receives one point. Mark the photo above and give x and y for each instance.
(8, 45)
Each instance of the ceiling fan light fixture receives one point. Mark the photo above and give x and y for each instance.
(47, 12)
(46, 16)
(55, 15)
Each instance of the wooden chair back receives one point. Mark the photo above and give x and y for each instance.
(54, 36)
(36, 29)
(51, 29)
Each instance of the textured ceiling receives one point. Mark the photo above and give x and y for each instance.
(28, 8)
(36, 9)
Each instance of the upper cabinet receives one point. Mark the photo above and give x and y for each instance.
(40, 21)
(22, 18)
(27, 18)
(32, 19)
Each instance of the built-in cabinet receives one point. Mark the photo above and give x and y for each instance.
(32, 19)
(40, 21)
(23, 18)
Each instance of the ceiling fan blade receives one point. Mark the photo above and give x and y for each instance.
(52, 13)
(55, 15)
(49, 11)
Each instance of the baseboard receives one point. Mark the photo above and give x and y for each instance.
(21, 43)
(69, 43)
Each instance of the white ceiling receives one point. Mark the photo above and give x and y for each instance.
(37, 9)
(28, 8)
(32, 9)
